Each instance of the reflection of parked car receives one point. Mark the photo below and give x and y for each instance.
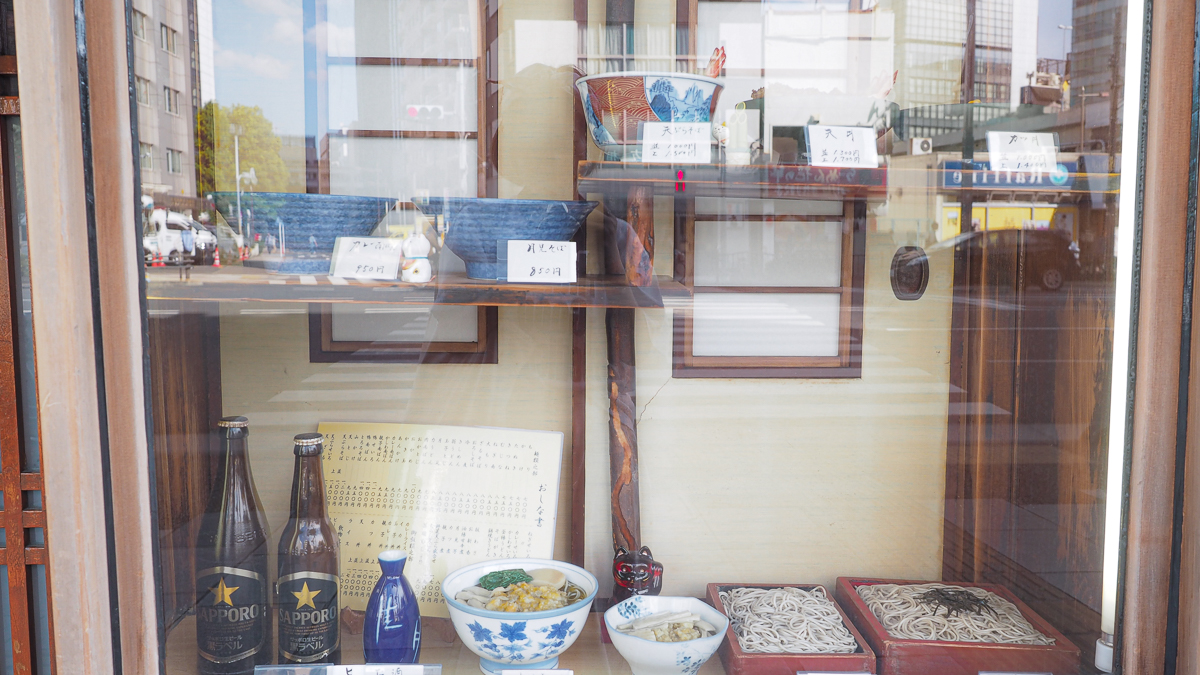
(177, 239)
(1050, 257)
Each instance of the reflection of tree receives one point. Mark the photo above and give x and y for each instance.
(258, 148)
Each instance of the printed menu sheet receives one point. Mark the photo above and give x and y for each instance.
(449, 496)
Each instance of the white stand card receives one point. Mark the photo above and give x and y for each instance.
(1021, 151)
(842, 147)
(366, 257)
(676, 143)
(541, 262)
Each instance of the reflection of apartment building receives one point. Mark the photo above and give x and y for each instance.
(1092, 43)
(168, 94)
(930, 36)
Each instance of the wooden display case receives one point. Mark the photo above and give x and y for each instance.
(936, 657)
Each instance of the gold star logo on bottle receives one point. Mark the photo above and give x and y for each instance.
(305, 597)
(224, 593)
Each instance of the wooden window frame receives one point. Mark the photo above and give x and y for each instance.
(323, 349)
(847, 363)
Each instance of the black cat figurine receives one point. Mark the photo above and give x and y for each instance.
(635, 573)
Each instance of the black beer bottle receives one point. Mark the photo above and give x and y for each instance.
(307, 591)
(233, 621)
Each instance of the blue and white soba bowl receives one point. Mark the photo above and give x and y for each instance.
(647, 657)
(517, 640)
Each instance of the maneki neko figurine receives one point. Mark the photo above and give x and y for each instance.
(635, 573)
(416, 267)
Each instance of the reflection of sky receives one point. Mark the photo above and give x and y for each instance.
(1051, 13)
(258, 55)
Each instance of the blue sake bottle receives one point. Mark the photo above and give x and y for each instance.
(392, 631)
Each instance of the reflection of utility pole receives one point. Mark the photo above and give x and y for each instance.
(1065, 29)
(966, 210)
(236, 130)
(1083, 114)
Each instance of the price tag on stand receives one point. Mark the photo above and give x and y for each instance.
(541, 262)
(373, 669)
(845, 147)
(1021, 151)
(366, 257)
(676, 143)
(537, 672)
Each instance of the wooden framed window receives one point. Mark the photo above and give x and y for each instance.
(402, 333)
(777, 289)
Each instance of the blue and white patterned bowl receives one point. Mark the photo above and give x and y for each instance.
(647, 657)
(311, 223)
(475, 226)
(517, 640)
(616, 105)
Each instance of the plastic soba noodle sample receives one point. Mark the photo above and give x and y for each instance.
(786, 621)
(907, 616)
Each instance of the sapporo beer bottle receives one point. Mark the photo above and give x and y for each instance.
(233, 621)
(307, 591)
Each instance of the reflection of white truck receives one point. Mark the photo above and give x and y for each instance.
(176, 239)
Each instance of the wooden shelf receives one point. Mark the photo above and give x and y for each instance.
(236, 283)
(587, 656)
(718, 180)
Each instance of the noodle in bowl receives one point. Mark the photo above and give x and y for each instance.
(787, 620)
(517, 640)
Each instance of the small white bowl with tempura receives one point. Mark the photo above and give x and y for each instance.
(665, 635)
(528, 626)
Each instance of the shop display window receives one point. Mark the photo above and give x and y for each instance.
(637, 336)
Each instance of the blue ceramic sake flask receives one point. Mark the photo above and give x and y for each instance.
(392, 631)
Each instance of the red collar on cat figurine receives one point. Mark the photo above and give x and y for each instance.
(635, 573)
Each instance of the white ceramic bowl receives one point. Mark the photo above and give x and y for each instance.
(517, 640)
(647, 657)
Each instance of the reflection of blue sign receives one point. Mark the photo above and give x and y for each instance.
(1062, 178)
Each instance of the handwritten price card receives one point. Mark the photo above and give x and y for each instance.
(850, 147)
(541, 262)
(366, 257)
(449, 496)
(1021, 151)
(676, 143)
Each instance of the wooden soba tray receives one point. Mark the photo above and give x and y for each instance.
(738, 662)
(936, 657)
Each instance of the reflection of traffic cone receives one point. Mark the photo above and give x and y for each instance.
(216, 257)
(157, 261)
(243, 253)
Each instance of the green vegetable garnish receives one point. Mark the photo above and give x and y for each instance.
(501, 578)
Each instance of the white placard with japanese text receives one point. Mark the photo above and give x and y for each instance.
(449, 496)
(676, 143)
(366, 257)
(846, 147)
(1021, 151)
(541, 262)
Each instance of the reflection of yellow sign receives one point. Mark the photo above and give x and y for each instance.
(1011, 217)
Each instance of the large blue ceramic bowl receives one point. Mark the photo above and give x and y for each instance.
(474, 227)
(311, 223)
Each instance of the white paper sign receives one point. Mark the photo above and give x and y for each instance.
(850, 147)
(676, 142)
(1021, 151)
(326, 669)
(541, 262)
(366, 257)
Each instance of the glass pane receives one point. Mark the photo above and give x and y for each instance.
(847, 266)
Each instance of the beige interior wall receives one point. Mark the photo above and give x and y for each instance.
(758, 480)
(266, 376)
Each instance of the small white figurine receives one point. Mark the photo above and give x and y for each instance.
(416, 267)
